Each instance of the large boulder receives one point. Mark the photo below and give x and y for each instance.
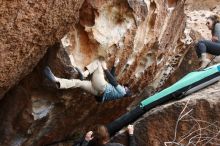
(193, 120)
(28, 28)
(153, 39)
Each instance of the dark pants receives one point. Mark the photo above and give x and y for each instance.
(111, 76)
(206, 46)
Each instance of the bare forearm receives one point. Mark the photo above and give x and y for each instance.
(72, 60)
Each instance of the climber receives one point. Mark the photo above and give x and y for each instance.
(100, 137)
(98, 86)
(210, 46)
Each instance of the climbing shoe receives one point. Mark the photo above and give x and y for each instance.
(48, 73)
(81, 77)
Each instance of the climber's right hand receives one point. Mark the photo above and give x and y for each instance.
(130, 129)
(89, 136)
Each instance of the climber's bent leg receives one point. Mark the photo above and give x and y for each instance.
(98, 79)
(75, 83)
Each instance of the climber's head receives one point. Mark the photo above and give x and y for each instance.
(128, 91)
(211, 21)
(101, 135)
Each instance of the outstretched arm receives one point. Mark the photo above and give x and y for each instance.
(109, 76)
(114, 67)
(113, 71)
(72, 61)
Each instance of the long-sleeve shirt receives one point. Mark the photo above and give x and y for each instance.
(112, 93)
(131, 142)
(217, 31)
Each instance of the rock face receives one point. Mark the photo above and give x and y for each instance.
(193, 120)
(141, 32)
(153, 39)
(28, 28)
